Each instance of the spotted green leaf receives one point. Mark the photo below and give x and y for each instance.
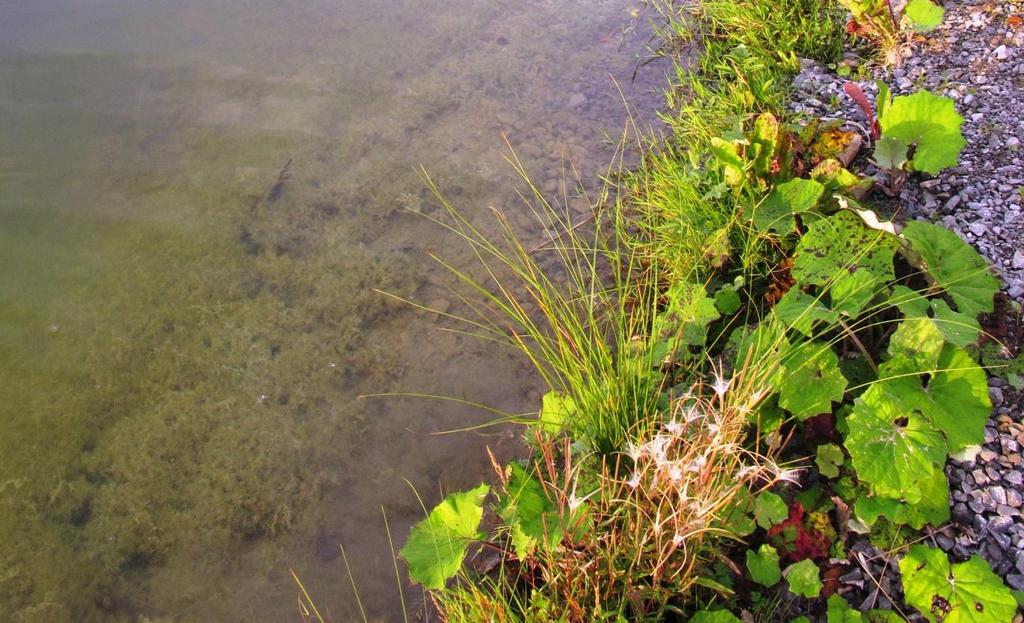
(842, 244)
(968, 592)
(851, 292)
(437, 545)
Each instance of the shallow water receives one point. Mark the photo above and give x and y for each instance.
(198, 202)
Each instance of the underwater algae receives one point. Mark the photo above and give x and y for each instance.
(182, 354)
(176, 395)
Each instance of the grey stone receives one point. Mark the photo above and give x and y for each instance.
(944, 542)
(577, 99)
(1016, 581)
(1018, 259)
(1006, 511)
(1000, 525)
(961, 514)
(996, 395)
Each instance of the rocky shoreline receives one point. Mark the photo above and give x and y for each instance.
(975, 58)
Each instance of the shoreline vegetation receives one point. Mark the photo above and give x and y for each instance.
(758, 368)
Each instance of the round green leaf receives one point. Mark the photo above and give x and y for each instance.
(829, 458)
(931, 123)
(952, 265)
(957, 328)
(800, 311)
(770, 509)
(956, 399)
(437, 545)
(892, 448)
(796, 196)
(840, 611)
(555, 412)
(804, 578)
(924, 15)
(528, 513)
(812, 380)
(685, 320)
(932, 508)
(891, 153)
(764, 565)
(714, 616)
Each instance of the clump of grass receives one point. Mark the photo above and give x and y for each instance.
(745, 54)
(746, 51)
(574, 306)
(641, 532)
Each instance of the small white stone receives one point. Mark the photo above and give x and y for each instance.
(1013, 141)
(978, 229)
(1018, 259)
(1002, 53)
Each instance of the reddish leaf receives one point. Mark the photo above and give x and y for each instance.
(854, 91)
(795, 541)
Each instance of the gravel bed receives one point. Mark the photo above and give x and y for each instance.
(975, 58)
